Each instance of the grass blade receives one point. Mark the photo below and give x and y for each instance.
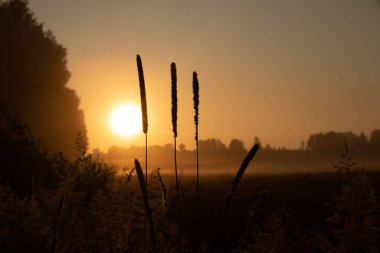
(148, 210)
(56, 222)
(164, 192)
(240, 173)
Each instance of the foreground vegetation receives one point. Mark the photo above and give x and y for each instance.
(48, 203)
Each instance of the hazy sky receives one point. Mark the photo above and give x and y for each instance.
(280, 70)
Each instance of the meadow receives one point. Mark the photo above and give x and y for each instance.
(51, 204)
(296, 206)
(59, 197)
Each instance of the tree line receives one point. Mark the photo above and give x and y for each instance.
(322, 143)
(320, 149)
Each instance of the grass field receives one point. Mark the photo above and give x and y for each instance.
(306, 198)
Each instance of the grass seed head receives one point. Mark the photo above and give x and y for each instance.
(142, 94)
(173, 71)
(196, 102)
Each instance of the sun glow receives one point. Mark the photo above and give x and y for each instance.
(125, 120)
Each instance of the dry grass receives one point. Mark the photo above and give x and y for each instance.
(148, 210)
(196, 122)
(240, 173)
(173, 71)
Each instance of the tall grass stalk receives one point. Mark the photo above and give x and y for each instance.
(165, 202)
(173, 71)
(143, 110)
(196, 122)
(144, 120)
(182, 193)
(56, 222)
(240, 173)
(148, 210)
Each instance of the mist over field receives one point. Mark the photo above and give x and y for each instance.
(231, 87)
(319, 153)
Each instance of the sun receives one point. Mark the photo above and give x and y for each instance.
(125, 120)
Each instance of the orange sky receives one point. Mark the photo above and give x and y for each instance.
(280, 70)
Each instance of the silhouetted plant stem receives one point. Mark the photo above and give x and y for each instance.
(170, 238)
(164, 192)
(143, 110)
(240, 173)
(148, 210)
(55, 223)
(173, 71)
(196, 121)
(182, 194)
(144, 114)
(146, 158)
(176, 174)
(197, 173)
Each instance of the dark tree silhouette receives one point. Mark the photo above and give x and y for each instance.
(22, 163)
(334, 142)
(33, 78)
(375, 140)
(236, 147)
(212, 147)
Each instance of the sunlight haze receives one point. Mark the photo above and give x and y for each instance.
(125, 120)
(279, 70)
